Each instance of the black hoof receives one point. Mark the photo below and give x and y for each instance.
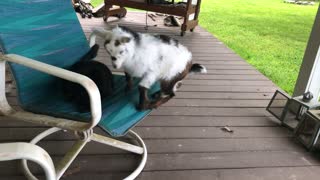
(156, 95)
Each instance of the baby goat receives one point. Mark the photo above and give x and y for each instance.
(149, 57)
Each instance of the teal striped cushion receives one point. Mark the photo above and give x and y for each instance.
(49, 31)
(45, 30)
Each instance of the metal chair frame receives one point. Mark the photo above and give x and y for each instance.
(82, 130)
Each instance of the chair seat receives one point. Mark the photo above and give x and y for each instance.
(119, 112)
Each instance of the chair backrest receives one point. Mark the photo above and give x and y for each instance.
(44, 30)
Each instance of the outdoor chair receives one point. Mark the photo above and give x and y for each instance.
(39, 40)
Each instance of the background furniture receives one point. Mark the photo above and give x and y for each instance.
(298, 115)
(190, 12)
(289, 110)
(308, 130)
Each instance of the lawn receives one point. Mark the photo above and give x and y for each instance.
(96, 2)
(269, 34)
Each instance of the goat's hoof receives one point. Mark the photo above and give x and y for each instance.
(128, 89)
(142, 107)
(156, 95)
(154, 105)
(148, 106)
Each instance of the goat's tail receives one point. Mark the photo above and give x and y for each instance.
(91, 54)
(197, 69)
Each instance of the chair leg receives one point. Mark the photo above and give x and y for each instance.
(66, 160)
(143, 162)
(142, 149)
(31, 152)
(24, 164)
(116, 143)
(63, 164)
(78, 146)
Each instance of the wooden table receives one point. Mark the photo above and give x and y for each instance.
(185, 12)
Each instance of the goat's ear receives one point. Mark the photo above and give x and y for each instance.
(125, 39)
(101, 32)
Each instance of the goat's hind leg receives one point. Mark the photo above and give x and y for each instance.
(161, 100)
(156, 95)
(167, 92)
(145, 103)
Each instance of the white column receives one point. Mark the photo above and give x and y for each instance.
(314, 80)
(309, 75)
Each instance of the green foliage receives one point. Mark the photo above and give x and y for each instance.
(269, 34)
(96, 2)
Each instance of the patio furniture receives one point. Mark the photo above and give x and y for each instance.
(189, 12)
(30, 152)
(308, 130)
(39, 40)
(289, 110)
(116, 11)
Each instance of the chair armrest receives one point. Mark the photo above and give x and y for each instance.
(87, 83)
(5, 108)
(15, 151)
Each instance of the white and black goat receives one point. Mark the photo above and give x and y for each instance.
(149, 57)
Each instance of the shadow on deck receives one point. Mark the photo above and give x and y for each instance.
(184, 136)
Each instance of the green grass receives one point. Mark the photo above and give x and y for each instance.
(269, 34)
(96, 2)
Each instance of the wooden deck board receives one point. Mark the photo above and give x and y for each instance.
(184, 136)
(186, 161)
(278, 173)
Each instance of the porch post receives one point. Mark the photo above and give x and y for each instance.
(309, 75)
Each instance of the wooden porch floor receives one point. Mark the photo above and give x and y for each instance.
(184, 136)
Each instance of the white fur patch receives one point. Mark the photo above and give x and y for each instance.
(177, 86)
(203, 70)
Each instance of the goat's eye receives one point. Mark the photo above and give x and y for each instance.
(121, 52)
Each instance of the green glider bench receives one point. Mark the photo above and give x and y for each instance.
(39, 40)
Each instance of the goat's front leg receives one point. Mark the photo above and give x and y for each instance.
(147, 81)
(144, 102)
(129, 82)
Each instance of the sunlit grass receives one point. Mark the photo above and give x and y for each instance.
(269, 34)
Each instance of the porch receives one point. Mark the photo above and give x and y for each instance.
(184, 136)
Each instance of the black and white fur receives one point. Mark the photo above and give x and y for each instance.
(149, 57)
(97, 72)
